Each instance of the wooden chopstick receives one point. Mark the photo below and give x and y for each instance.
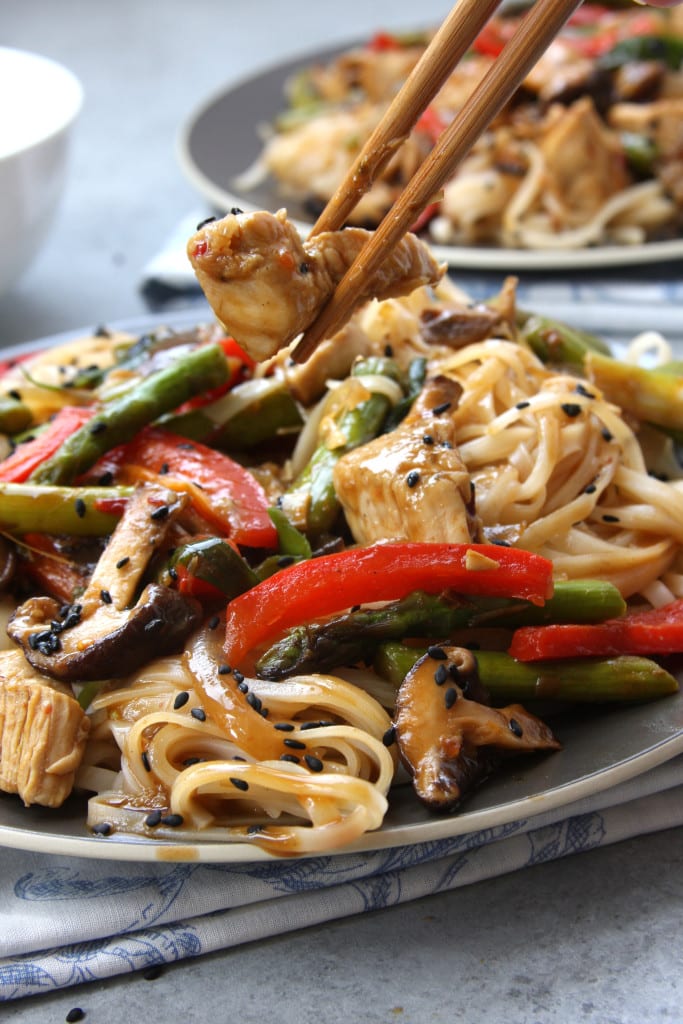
(448, 45)
(534, 34)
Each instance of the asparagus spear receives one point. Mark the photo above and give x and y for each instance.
(251, 413)
(578, 680)
(74, 511)
(654, 396)
(312, 498)
(354, 637)
(119, 420)
(555, 342)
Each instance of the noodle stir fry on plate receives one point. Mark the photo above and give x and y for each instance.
(588, 152)
(246, 598)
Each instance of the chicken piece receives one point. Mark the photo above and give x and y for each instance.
(661, 122)
(410, 484)
(584, 162)
(266, 285)
(43, 731)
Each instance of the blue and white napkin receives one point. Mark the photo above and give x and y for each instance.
(70, 920)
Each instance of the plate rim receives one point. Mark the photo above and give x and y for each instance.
(139, 849)
(456, 256)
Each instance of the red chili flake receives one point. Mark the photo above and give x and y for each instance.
(201, 248)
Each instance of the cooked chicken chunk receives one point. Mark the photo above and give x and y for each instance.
(266, 285)
(410, 484)
(43, 730)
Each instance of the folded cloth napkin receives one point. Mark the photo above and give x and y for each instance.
(71, 920)
(168, 280)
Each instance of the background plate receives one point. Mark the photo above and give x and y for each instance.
(601, 748)
(222, 139)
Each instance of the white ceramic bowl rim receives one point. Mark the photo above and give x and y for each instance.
(40, 98)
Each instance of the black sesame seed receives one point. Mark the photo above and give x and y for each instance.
(79, 507)
(254, 701)
(437, 653)
(160, 513)
(309, 725)
(523, 405)
(450, 696)
(163, 469)
(74, 1015)
(172, 820)
(203, 223)
(454, 671)
(446, 444)
(98, 427)
(189, 761)
(428, 439)
(173, 573)
(255, 829)
(239, 677)
(571, 409)
(294, 744)
(438, 409)
(213, 622)
(122, 561)
(515, 727)
(291, 758)
(591, 489)
(283, 726)
(284, 560)
(502, 543)
(106, 478)
(103, 828)
(441, 675)
(607, 518)
(389, 737)
(199, 714)
(224, 670)
(413, 478)
(243, 687)
(314, 763)
(355, 608)
(607, 435)
(304, 267)
(105, 597)
(235, 211)
(181, 700)
(144, 757)
(240, 784)
(153, 972)
(581, 389)
(16, 395)
(153, 819)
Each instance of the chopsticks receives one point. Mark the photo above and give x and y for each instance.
(534, 34)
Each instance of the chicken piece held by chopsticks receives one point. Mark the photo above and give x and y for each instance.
(266, 285)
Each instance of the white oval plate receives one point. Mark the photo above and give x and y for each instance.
(601, 748)
(221, 140)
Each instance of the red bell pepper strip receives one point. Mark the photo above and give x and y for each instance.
(384, 41)
(381, 572)
(655, 631)
(231, 499)
(28, 455)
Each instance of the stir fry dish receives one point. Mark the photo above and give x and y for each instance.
(246, 598)
(588, 152)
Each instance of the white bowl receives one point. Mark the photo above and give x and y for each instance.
(40, 101)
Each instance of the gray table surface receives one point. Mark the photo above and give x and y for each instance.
(593, 938)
